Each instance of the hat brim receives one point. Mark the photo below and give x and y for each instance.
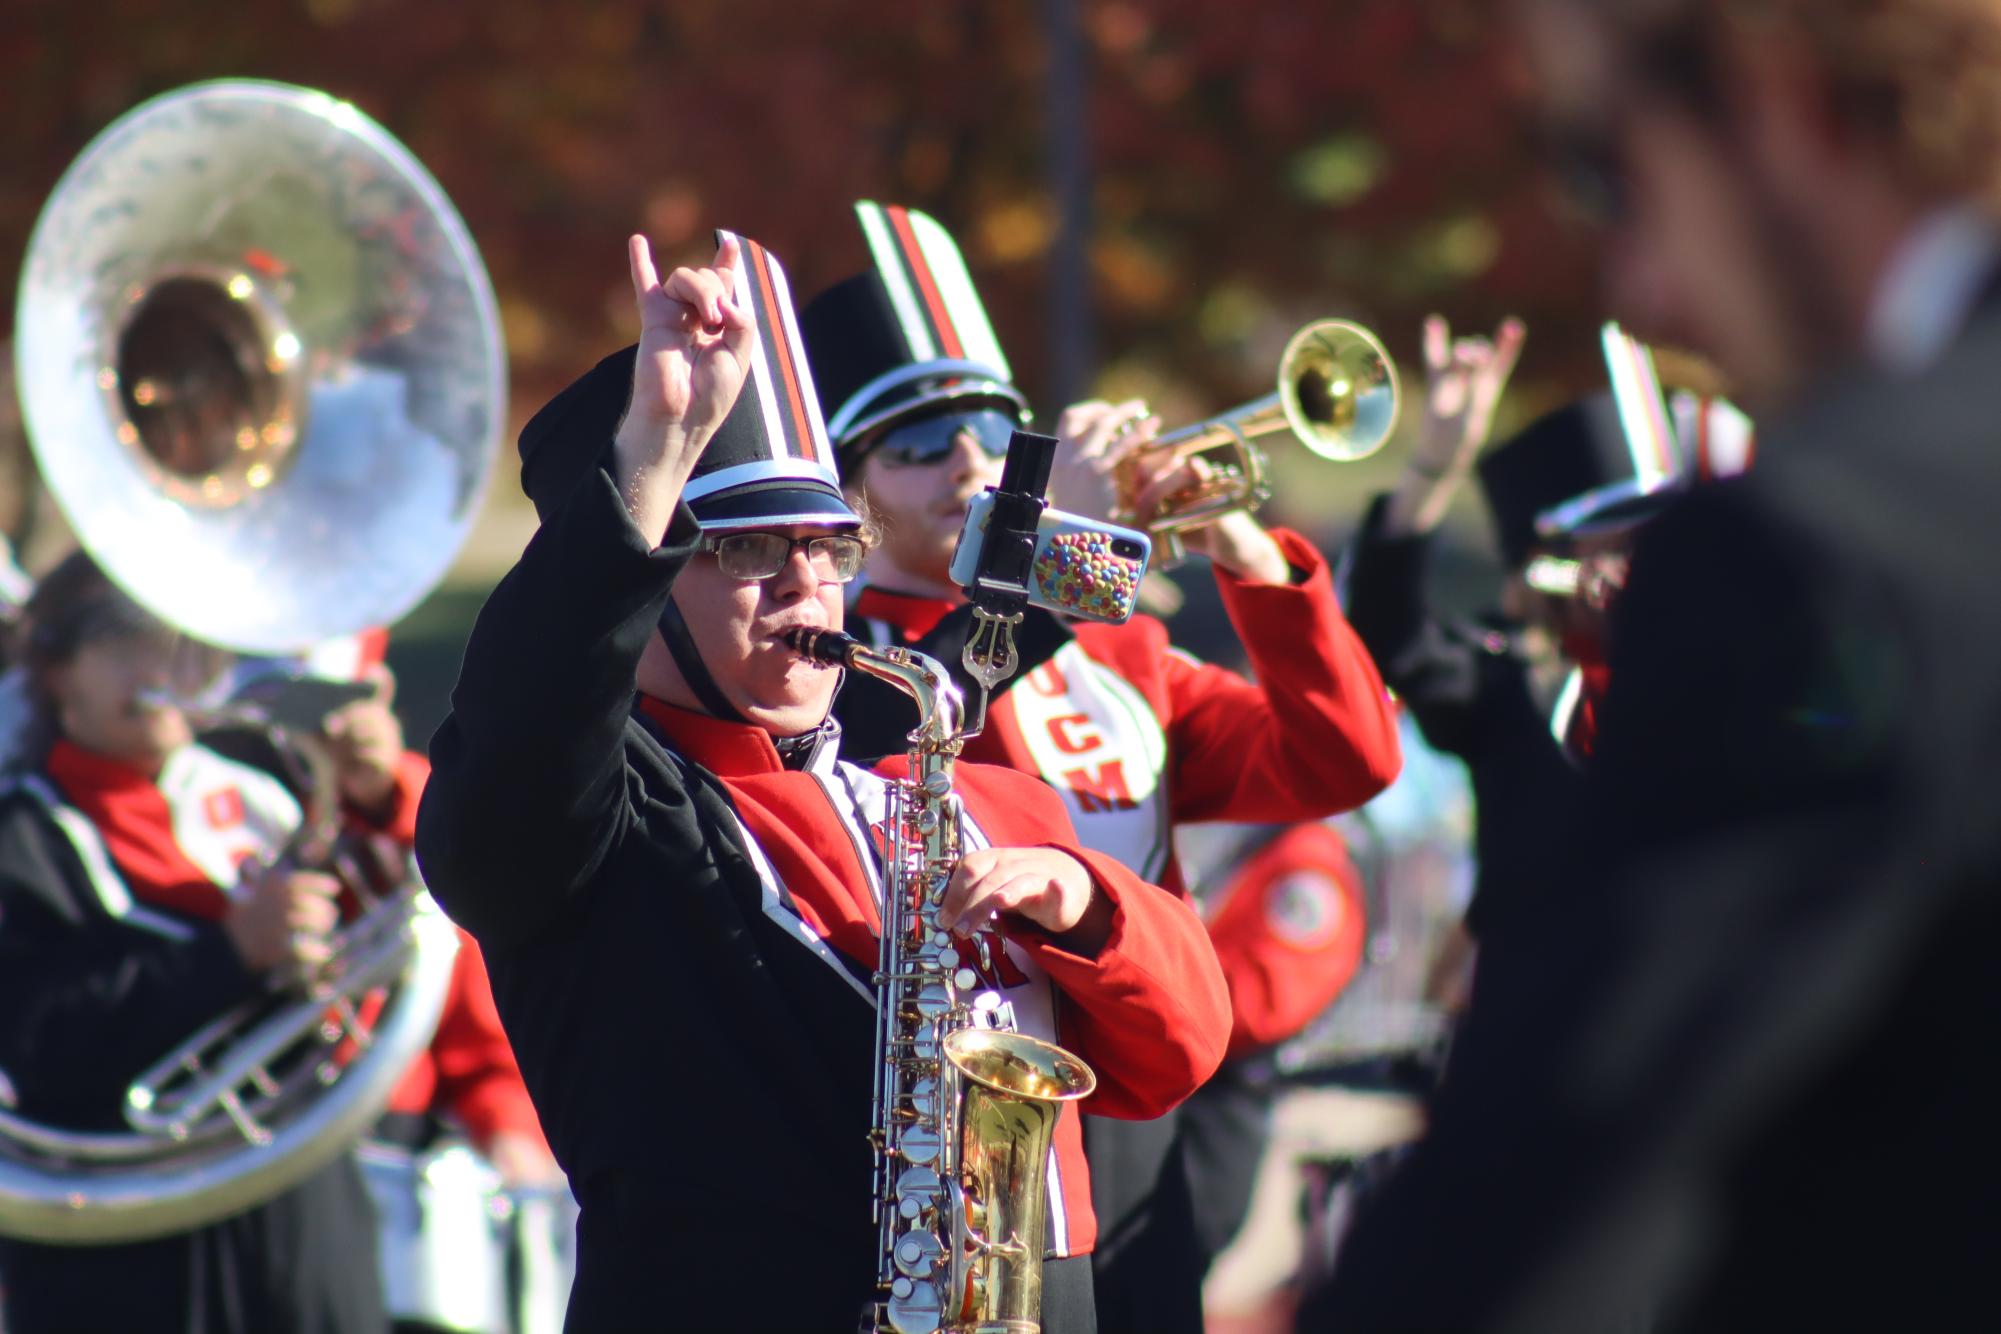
(962, 395)
(774, 503)
(1604, 508)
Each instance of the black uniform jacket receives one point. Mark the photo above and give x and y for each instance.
(1744, 1071)
(93, 989)
(703, 1075)
(680, 1050)
(1469, 691)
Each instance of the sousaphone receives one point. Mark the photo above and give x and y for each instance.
(262, 372)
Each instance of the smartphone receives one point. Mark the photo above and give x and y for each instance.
(1082, 567)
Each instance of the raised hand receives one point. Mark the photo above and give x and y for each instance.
(1465, 378)
(694, 352)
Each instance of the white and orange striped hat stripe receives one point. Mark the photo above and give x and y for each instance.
(933, 295)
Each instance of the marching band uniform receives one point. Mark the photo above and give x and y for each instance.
(1132, 735)
(680, 914)
(1288, 927)
(1468, 683)
(112, 887)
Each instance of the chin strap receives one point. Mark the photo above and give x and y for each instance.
(674, 634)
(797, 753)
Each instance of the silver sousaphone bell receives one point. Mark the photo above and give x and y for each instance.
(259, 358)
(262, 372)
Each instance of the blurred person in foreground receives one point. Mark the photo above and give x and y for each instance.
(1729, 1088)
(1134, 736)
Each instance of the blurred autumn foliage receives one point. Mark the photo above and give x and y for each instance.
(1256, 162)
(1253, 163)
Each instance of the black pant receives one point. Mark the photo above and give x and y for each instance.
(302, 1264)
(1148, 1265)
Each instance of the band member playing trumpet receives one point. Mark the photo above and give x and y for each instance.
(1132, 736)
(639, 809)
(132, 912)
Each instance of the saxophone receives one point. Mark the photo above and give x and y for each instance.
(964, 1109)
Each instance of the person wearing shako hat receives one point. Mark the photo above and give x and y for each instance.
(639, 809)
(1515, 694)
(1132, 736)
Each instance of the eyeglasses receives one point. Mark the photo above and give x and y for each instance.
(929, 439)
(834, 559)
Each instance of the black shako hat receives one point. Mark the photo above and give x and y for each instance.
(905, 336)
(769, 463)
(1564, 470)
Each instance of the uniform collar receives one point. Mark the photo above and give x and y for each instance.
(913, 616)
(77, 770)
(732, 749)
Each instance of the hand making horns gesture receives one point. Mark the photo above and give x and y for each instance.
(694, 351)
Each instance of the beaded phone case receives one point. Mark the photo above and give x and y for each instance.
(1083, 567)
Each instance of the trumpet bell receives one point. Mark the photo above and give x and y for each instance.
(260, 364)
(1338, 388)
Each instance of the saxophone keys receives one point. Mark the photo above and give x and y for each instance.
(923, 1099)
(919, 1309)
(920, 1145)
(918, 1191)
(918, 1253)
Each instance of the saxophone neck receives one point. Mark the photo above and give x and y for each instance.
(941, 706)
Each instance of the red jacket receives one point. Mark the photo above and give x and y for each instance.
(1288, 929)
(469, 1069)
(1138, 737)
(1149, 1013)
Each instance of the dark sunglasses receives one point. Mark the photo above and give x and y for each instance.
(835, 559)
(929, 439)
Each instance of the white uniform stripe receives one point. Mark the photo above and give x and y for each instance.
(852, 821)
(774, 908)
(105, 881)
(961, 298)
(888, 257)
(1567, 700)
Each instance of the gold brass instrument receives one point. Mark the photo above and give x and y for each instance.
(1337, 394)
(964, 1112)
(261, 367)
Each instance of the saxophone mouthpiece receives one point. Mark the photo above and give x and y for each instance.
(823, 646)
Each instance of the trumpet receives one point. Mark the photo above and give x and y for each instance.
(1337, 393)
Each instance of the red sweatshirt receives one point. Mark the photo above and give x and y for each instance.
(1137, 737)
(1150, 1013)
(1288, 929)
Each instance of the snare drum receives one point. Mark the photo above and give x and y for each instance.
(444, 1234)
